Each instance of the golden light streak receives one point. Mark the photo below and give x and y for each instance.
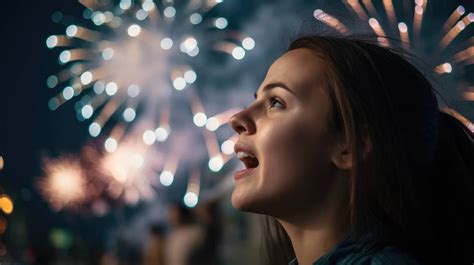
(469, 96)
(453, 18)
(59, 41)
(454, 32)
(390, 11)
(109, 108)
(403, 29)
(90, 4)
(375, 25)
(78, 54)
(370, 7)
(86, 34)
(358, 9)
(444, 68)
(464, 54)
(2, 163)
(417, 19)
(330, 21)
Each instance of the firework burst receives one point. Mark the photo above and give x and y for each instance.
(131, 65)
(64, 184)
(450, 50)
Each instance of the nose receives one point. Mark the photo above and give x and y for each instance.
(242, 122)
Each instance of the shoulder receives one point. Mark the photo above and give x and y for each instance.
(385, 256)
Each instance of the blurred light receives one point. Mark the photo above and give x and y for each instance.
(51, 41)
(148, 6)
(6, 204)
(227, 147)
(188, 45)
(64, 56)
(53, 104)
(86, 78)
(195, 18)
(216, 163)
(71, 30)
(166, 43)
(68, 93)
(179, 83)
(149, 137)
(212, 124)
(419, 2)
(87, 111)
(134, 30)
(169, 12)
(2, 163)
(108, 16)
(94, 129)
(87, 13)
(238, 53)
(221, 23)
(141, 14)
(161, 134)
(190, 199)
(194, 52)
(248, 43)
(447, 68)
(108, 53)
(110, 145)
(111, 88)
(52, 81)
(57, 17)
(133, 91)
(402, 27)
(460, 10)
(419, 10)
(166, 178)
(99, 87)
(190, 76)
(200, 119)
(98, 18)
(129, 114)
(125, 4)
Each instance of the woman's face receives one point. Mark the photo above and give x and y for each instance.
(286, 130)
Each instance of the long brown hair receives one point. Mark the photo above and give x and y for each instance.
(412, 184)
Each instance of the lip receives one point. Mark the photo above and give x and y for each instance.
(244, 148)
(244, 173)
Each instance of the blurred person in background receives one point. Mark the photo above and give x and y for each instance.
(185, 238)
(153, 252)
(347, 153)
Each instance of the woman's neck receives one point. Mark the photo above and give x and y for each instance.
(314, 232)
(311, 243)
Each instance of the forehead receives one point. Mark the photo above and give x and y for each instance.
(299, 69)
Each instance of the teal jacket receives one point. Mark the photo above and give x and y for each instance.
(349, 252)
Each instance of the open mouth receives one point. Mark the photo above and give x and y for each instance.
(249, 160)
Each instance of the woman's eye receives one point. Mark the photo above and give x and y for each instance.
(274, 102)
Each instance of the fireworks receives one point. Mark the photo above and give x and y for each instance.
(129, 66)
(450, 53)
(64, 184)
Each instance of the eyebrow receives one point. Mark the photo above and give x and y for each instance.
(273, 85)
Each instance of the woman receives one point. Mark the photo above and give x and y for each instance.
(346, 151)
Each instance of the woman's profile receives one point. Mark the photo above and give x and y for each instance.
(350, 159)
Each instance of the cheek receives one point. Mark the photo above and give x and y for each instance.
(294, 161)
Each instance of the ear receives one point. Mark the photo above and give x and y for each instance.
(341, 155)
